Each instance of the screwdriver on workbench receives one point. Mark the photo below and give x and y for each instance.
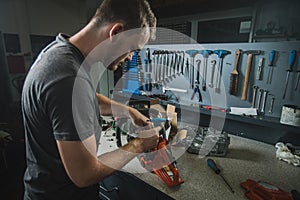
(211, 163)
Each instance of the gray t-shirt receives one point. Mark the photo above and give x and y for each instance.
(52, 112)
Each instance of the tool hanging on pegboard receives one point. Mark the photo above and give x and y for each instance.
(260, 68)
(297, 79)
(221, 54)
(212, 74)
(250, 54)
(133, 76)
(205, 54)
(292, 59)
(196, 89)
(234, 75)
(192, 53)
(272, 56)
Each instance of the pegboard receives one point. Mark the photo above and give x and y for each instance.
(276, 87)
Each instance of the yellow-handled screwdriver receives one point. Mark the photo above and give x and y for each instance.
(214, 167)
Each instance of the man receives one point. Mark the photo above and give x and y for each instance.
(61, 110)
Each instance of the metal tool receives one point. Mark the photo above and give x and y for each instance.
(271, 104)
(198, 62)
(196, 89)
(297, 79)
(211, 163)
(192, 53)
(205, 54)
(148, 71)
(259, 69)
(164, 89)
(260, 92)
(234, 75)
(292, 59)
(213, 65)
(221, 54)
(186, 70)
(271, 65)
(254, 94)
(247, 73)
(182, 63)
(264, 101)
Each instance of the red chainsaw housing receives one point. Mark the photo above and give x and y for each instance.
(159, 162)
(264, 191)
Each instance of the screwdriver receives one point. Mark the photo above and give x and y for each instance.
(211, 163)
(292, 59)
(271, 65)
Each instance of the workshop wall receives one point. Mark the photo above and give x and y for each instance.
(46, 17)
(279, 19)
(39, 18)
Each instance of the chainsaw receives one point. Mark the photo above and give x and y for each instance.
(160, 159)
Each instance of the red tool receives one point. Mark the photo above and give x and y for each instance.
(264, 191)
(214, 108)
(162, 163)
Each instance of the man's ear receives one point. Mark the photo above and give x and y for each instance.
(115, 29)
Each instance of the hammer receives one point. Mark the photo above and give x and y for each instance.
(250, 54)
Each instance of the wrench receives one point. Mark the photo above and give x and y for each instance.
(259, 98)
(213, 65)
(271, 104)
(255, 88)
(265, 93)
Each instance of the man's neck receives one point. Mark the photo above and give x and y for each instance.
(87, 39)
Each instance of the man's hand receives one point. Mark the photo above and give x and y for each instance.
(138, 118)
(146, 140)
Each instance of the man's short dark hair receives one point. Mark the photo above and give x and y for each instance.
(132, 13)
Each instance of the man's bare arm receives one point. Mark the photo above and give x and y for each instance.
(84, 168)
(110, 107)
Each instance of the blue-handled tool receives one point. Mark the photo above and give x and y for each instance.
(192, 53)
(211, 163)
(221, 54)
(292, 59)
(205, 54)
(271, 65)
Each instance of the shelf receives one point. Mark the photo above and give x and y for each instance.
(270, 36)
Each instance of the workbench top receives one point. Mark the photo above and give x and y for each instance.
(246, 159)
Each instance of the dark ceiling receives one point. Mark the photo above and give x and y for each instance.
(173, 8)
